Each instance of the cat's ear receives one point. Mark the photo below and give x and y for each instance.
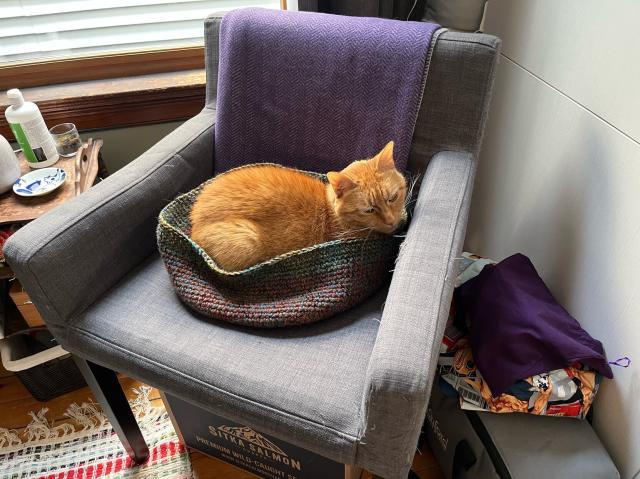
(384, 159)
(340, 183)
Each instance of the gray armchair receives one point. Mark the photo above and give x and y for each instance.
(353, 388)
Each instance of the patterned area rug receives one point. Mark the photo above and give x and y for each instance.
(86, 447)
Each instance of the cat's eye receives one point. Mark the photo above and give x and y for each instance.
(393, 197)
(370, 210)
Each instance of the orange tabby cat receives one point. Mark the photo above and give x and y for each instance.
(252, 214)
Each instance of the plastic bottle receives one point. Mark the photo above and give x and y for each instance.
(27, 124)
(9, 166)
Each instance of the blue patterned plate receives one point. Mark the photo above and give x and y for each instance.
(39, 182)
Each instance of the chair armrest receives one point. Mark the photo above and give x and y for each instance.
(70, 256)
(405, 353)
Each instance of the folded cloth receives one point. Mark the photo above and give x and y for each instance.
(567, 392)
(518, 329)
(316, 91)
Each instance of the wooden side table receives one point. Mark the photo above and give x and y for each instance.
(82, 172)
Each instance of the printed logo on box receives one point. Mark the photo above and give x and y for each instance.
(247, 448)
(254, 442)
(435, 427)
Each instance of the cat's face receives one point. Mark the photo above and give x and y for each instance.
(370, 194)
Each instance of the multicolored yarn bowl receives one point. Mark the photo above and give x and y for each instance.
(292, 289)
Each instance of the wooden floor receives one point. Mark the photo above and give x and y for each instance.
(16, 402)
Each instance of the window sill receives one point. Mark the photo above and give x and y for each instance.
(119, 102)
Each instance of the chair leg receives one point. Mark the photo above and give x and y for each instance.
(107, 390)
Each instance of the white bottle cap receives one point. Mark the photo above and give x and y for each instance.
(15, 98)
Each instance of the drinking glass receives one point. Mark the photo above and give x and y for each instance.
(66, 138)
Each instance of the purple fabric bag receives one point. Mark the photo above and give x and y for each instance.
(518, 329)
(315, 91)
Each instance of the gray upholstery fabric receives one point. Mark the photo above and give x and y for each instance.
(456, 96)
(212, 42)
(346, 388)
(69, 257)
(353, 388)
(403, 360)
(304, 385)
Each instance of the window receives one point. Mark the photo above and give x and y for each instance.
(35, 30)
(108, 63)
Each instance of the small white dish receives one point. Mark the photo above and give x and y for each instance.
(39, 182)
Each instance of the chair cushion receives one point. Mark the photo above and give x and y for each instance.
(302, 384)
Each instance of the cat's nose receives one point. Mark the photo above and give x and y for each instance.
(389, 222)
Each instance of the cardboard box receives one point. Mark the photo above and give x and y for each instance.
(248, 449)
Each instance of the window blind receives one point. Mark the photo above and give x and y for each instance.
(44, 29)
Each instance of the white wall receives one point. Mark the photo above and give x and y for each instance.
(559, 178)
(122, 145)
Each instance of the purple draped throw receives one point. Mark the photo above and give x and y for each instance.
(316, 91)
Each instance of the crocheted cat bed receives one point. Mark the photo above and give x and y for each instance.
(294, 288)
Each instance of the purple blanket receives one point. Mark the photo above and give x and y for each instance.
(316, 91)
(518, 329)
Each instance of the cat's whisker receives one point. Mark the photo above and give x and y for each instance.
(409, 202)
(413, 182)
(359, 229)
(365, 240)
(346, 233)
(409, 199)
